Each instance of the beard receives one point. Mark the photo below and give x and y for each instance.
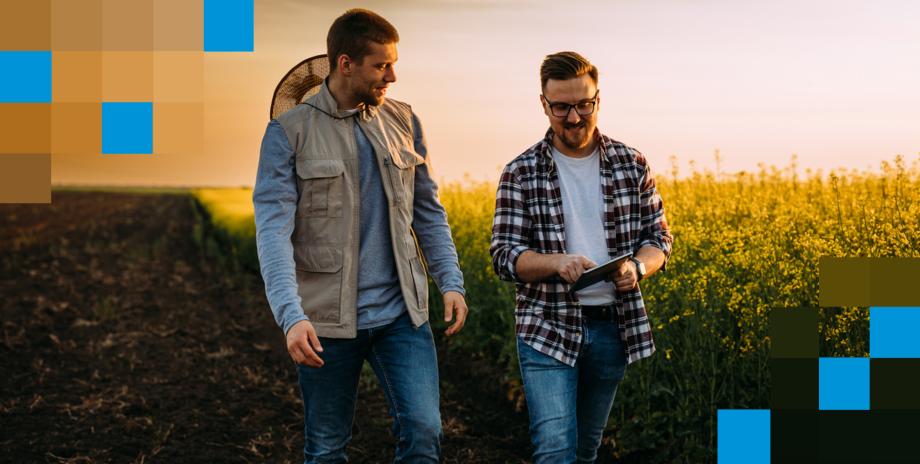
(370, 98)
(574, 142)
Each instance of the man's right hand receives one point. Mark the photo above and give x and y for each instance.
(571, 267)
(303, 344)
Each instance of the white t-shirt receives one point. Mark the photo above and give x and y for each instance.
(583, 211)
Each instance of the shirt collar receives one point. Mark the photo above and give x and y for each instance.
(545, 150)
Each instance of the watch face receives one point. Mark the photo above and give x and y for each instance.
(640, 267)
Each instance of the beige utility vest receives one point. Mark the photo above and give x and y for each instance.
(326, 224)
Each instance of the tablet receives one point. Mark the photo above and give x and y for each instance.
(599, 273)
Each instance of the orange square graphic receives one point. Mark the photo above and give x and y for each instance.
(25, 178)
(178, 25)
(225, 118)
(178, 128)
(76, 76)
(127, 25)
(227, 78)
(76, 128)
(127, 76)
(76, 25)
(178, 77)
(25, 25)
(25, 128)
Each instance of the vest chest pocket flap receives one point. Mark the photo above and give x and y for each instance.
(404, 160)
(321, 184)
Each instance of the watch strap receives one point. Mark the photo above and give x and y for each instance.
(640, 266)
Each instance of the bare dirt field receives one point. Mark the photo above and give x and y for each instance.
(122, 342)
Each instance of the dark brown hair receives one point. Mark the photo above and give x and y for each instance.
(351, 33)
(565, 65)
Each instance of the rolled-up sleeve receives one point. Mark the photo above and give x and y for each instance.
(510, 227)
(655, 231)
(430, 223)
(275, 201)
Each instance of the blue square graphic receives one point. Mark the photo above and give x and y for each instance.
(25, 77)
(893, 332)
(843, 384)
(743, 436)
(127, 128)
(228, 25)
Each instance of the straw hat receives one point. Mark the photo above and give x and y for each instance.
(300, 83)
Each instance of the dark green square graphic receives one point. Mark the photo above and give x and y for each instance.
(867, 437)
(794, 384)
(895, 384)
(793, 436)
(794, 333)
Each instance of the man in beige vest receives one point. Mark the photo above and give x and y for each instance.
(347, 215)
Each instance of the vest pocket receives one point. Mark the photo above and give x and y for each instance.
(420, 278)
(405, 161)
(406, 157)
(322, 186)
(319, 281)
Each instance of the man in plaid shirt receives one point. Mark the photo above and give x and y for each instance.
(575, 199)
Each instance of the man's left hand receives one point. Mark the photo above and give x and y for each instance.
(625, 278)
(454, 305)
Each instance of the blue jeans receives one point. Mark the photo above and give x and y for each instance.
(569, 405)
(405, 362)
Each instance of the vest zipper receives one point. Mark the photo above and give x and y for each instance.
(386, 165)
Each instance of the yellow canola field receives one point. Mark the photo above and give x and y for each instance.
(744, 244)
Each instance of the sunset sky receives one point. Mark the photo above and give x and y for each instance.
(835, 82)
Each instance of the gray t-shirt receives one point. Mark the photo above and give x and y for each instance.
(583, 210)
(380, 299)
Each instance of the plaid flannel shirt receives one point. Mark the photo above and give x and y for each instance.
(528, 216)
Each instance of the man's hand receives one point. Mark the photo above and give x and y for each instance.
(571, 267)
(303, 344)
(454, 303)
(626, 277)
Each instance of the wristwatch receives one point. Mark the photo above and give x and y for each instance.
(640, 268)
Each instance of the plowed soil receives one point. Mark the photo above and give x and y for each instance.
(121, 342)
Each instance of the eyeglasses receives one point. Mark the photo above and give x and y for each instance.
(582, 108)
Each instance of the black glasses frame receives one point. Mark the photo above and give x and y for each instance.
(570, 106)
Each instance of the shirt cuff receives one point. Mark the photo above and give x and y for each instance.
(666, 251)
(453, 288)
(513, 257)
(288, 323)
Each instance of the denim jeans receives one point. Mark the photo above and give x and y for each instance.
(569, 405)
(405, 362)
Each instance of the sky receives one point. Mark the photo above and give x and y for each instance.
(833, 82)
